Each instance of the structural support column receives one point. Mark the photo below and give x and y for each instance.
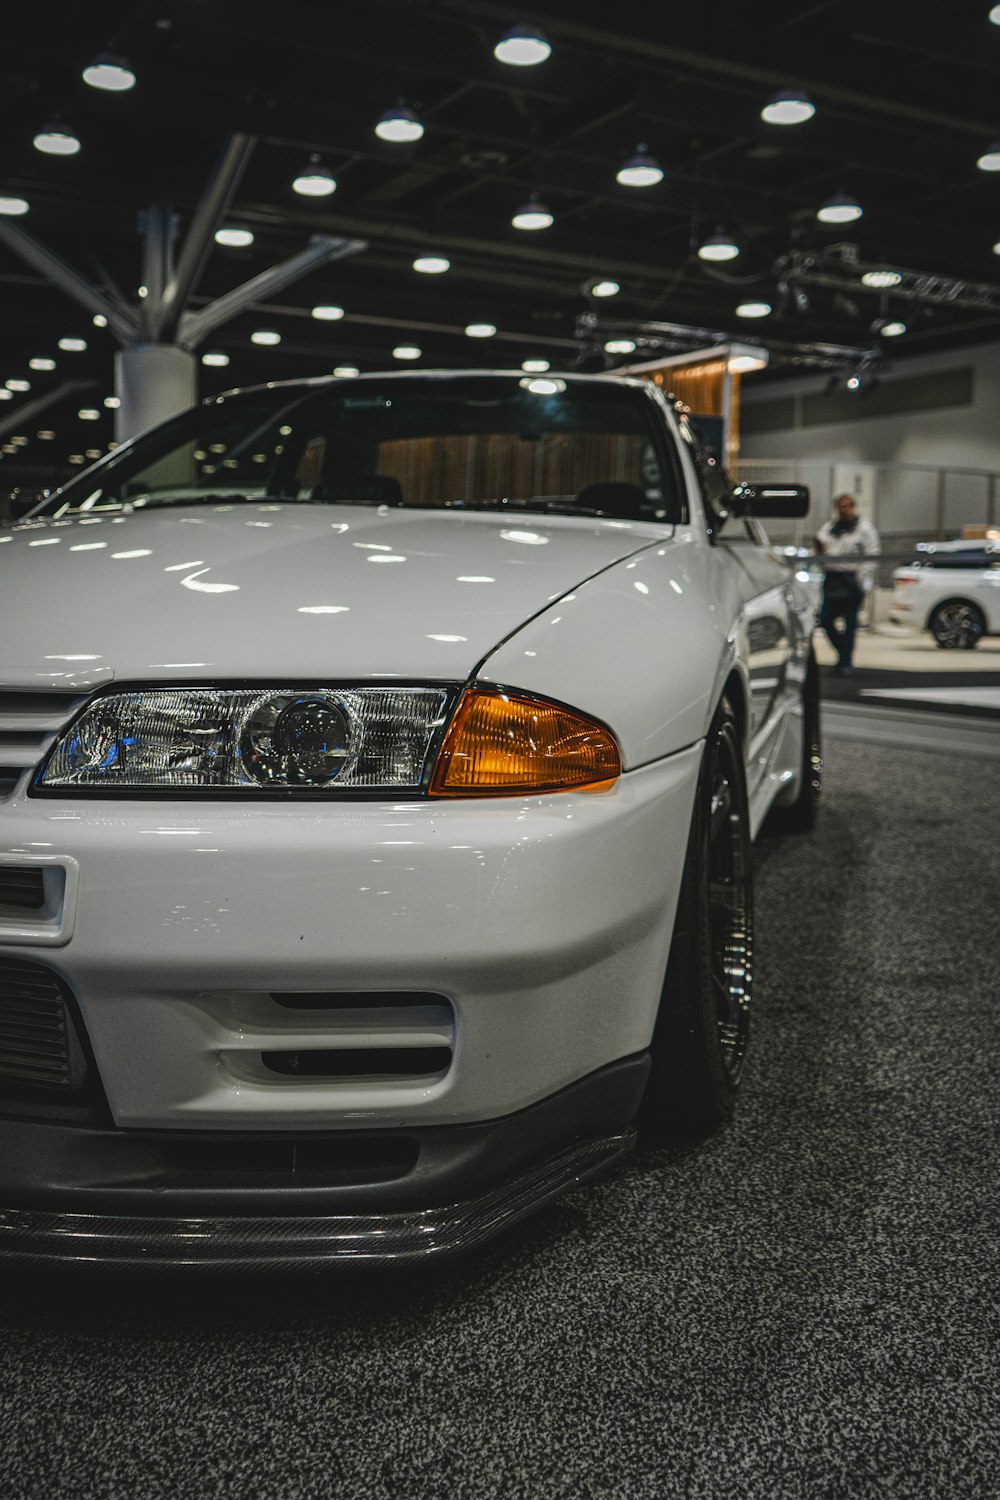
(153, 381)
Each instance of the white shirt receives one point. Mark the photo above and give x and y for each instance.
(843, 552)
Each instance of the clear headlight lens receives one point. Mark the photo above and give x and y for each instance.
(356, 739)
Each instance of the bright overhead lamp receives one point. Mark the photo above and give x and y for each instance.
(238, 239)
(89, 414)
(99, 320)
(73, 346)
(346, 372)
(995, 15)
(718, 246)
(535, 366)
(18, 385)
(46, 435)
(843, 209)
(406, 351)
(788, 107)
(480, 330)
(431, 265)
(523, 47)
(315, 180)
(879, 280)
(605, 289)
(641, 170)
(215, 359)
(328, 313)
(753, 309)
(13, 207)
(109, 72)
(265, 336)
(399, 125)
(41, 364)
(77, 458)
(57, 140)
(742, 364)
(990, 159)
(892, 330)
(532, 215)
(619, 346)
(5, 394)
(112, 402)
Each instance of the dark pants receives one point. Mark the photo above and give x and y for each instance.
(842, 597)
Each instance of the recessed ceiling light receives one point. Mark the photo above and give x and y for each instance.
(641, 170)
(112, 402)
(346, 372)
(5, 394)
(41, 364)
(77, 458)
(535, 366)
(605, 289)
(100, 321)
(718, 246)
(431, 265)
(92, 452)
(406, 351)
(619, 346)
(328, 313)
(788, 107)
(523, 47)
(73, 346)
(881, 279)
(532, 215)
(990, 159)
(109, 72)
(46, 435)
(742, 364)
(315, 181)
(89, 414)
(753, 309)
(237, 238)
(843, 209)
(18, 385)
(57, 140)
(13, 206)
(892, 330)
(480, 330)
(399, 125)
(995, 15)
(215, 359)
(265, 336)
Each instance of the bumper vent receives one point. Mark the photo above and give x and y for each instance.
(29, 723)
(22, 887)
(373, 1037)
(43, 1060)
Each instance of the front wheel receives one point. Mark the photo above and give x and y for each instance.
(957, 625)
(702, 1029)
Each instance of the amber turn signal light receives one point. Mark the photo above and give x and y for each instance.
(504, 744)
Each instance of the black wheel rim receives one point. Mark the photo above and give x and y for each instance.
(730, 905)
(957, 625)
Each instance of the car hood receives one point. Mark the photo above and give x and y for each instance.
(252, 591)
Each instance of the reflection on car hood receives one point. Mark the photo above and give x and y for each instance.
(282, 591)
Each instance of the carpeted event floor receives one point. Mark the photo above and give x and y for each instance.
(804, 1306)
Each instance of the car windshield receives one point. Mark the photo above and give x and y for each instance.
(469, 442)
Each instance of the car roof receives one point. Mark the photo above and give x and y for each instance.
(317, 382)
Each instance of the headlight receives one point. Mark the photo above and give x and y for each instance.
(350, 739)
(330, 739)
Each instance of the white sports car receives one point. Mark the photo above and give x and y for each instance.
(951, 589)
(379, 761)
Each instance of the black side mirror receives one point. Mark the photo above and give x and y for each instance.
(19, 502)
(787, 501)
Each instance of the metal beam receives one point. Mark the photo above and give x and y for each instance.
(120, 320)
(195, 327)
(214, 203)
(27, 412)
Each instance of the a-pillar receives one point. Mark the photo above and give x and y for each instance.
(152, 382)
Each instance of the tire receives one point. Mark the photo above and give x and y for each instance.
(957, 624)
(799, 816)
(702, 1028)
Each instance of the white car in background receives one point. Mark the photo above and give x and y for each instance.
(380, 763)
(951, 589)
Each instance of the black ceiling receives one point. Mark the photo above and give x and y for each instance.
(906, 97)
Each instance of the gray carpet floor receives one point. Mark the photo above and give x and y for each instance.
(804, 1306)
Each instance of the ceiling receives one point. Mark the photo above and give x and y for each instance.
(904, 106)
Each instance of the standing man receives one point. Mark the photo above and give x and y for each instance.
(844, 541)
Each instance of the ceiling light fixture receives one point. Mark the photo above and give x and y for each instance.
(41, 364)
(879, 280)
(995, 15)
(753, 309)
(990, 159)
(346, 372)
(431, 265)
(718, 246)
(399, 125)
(265, 336)
(237, 239)
(641, 170)
(532, 215)
(406, 351)
(112, 402)
(480, 330)
(523, 47)
(315, 180)
(328, 313)
(46, 435)
(788, 107)
(6, 395)
(535, 366)
(13, 207)
(100, 321)
(841, 208)
(89, 414)
(605, 289)
(215, 359)
(57, 140)
(18, 385)
(109, 72)
(73, 346)
(892, 330)
(619, 346)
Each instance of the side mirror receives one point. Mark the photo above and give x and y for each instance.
(19, 502)
(787, 501)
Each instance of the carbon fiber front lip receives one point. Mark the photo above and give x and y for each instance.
(33, 1237)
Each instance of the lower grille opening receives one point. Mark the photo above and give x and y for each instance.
(22, 886)
(355, 999)
(360, 1062)
(45, 1063)
(337, 1160)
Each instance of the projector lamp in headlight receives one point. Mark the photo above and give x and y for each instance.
(302, 740)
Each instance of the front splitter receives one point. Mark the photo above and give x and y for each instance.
(287, 1243)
